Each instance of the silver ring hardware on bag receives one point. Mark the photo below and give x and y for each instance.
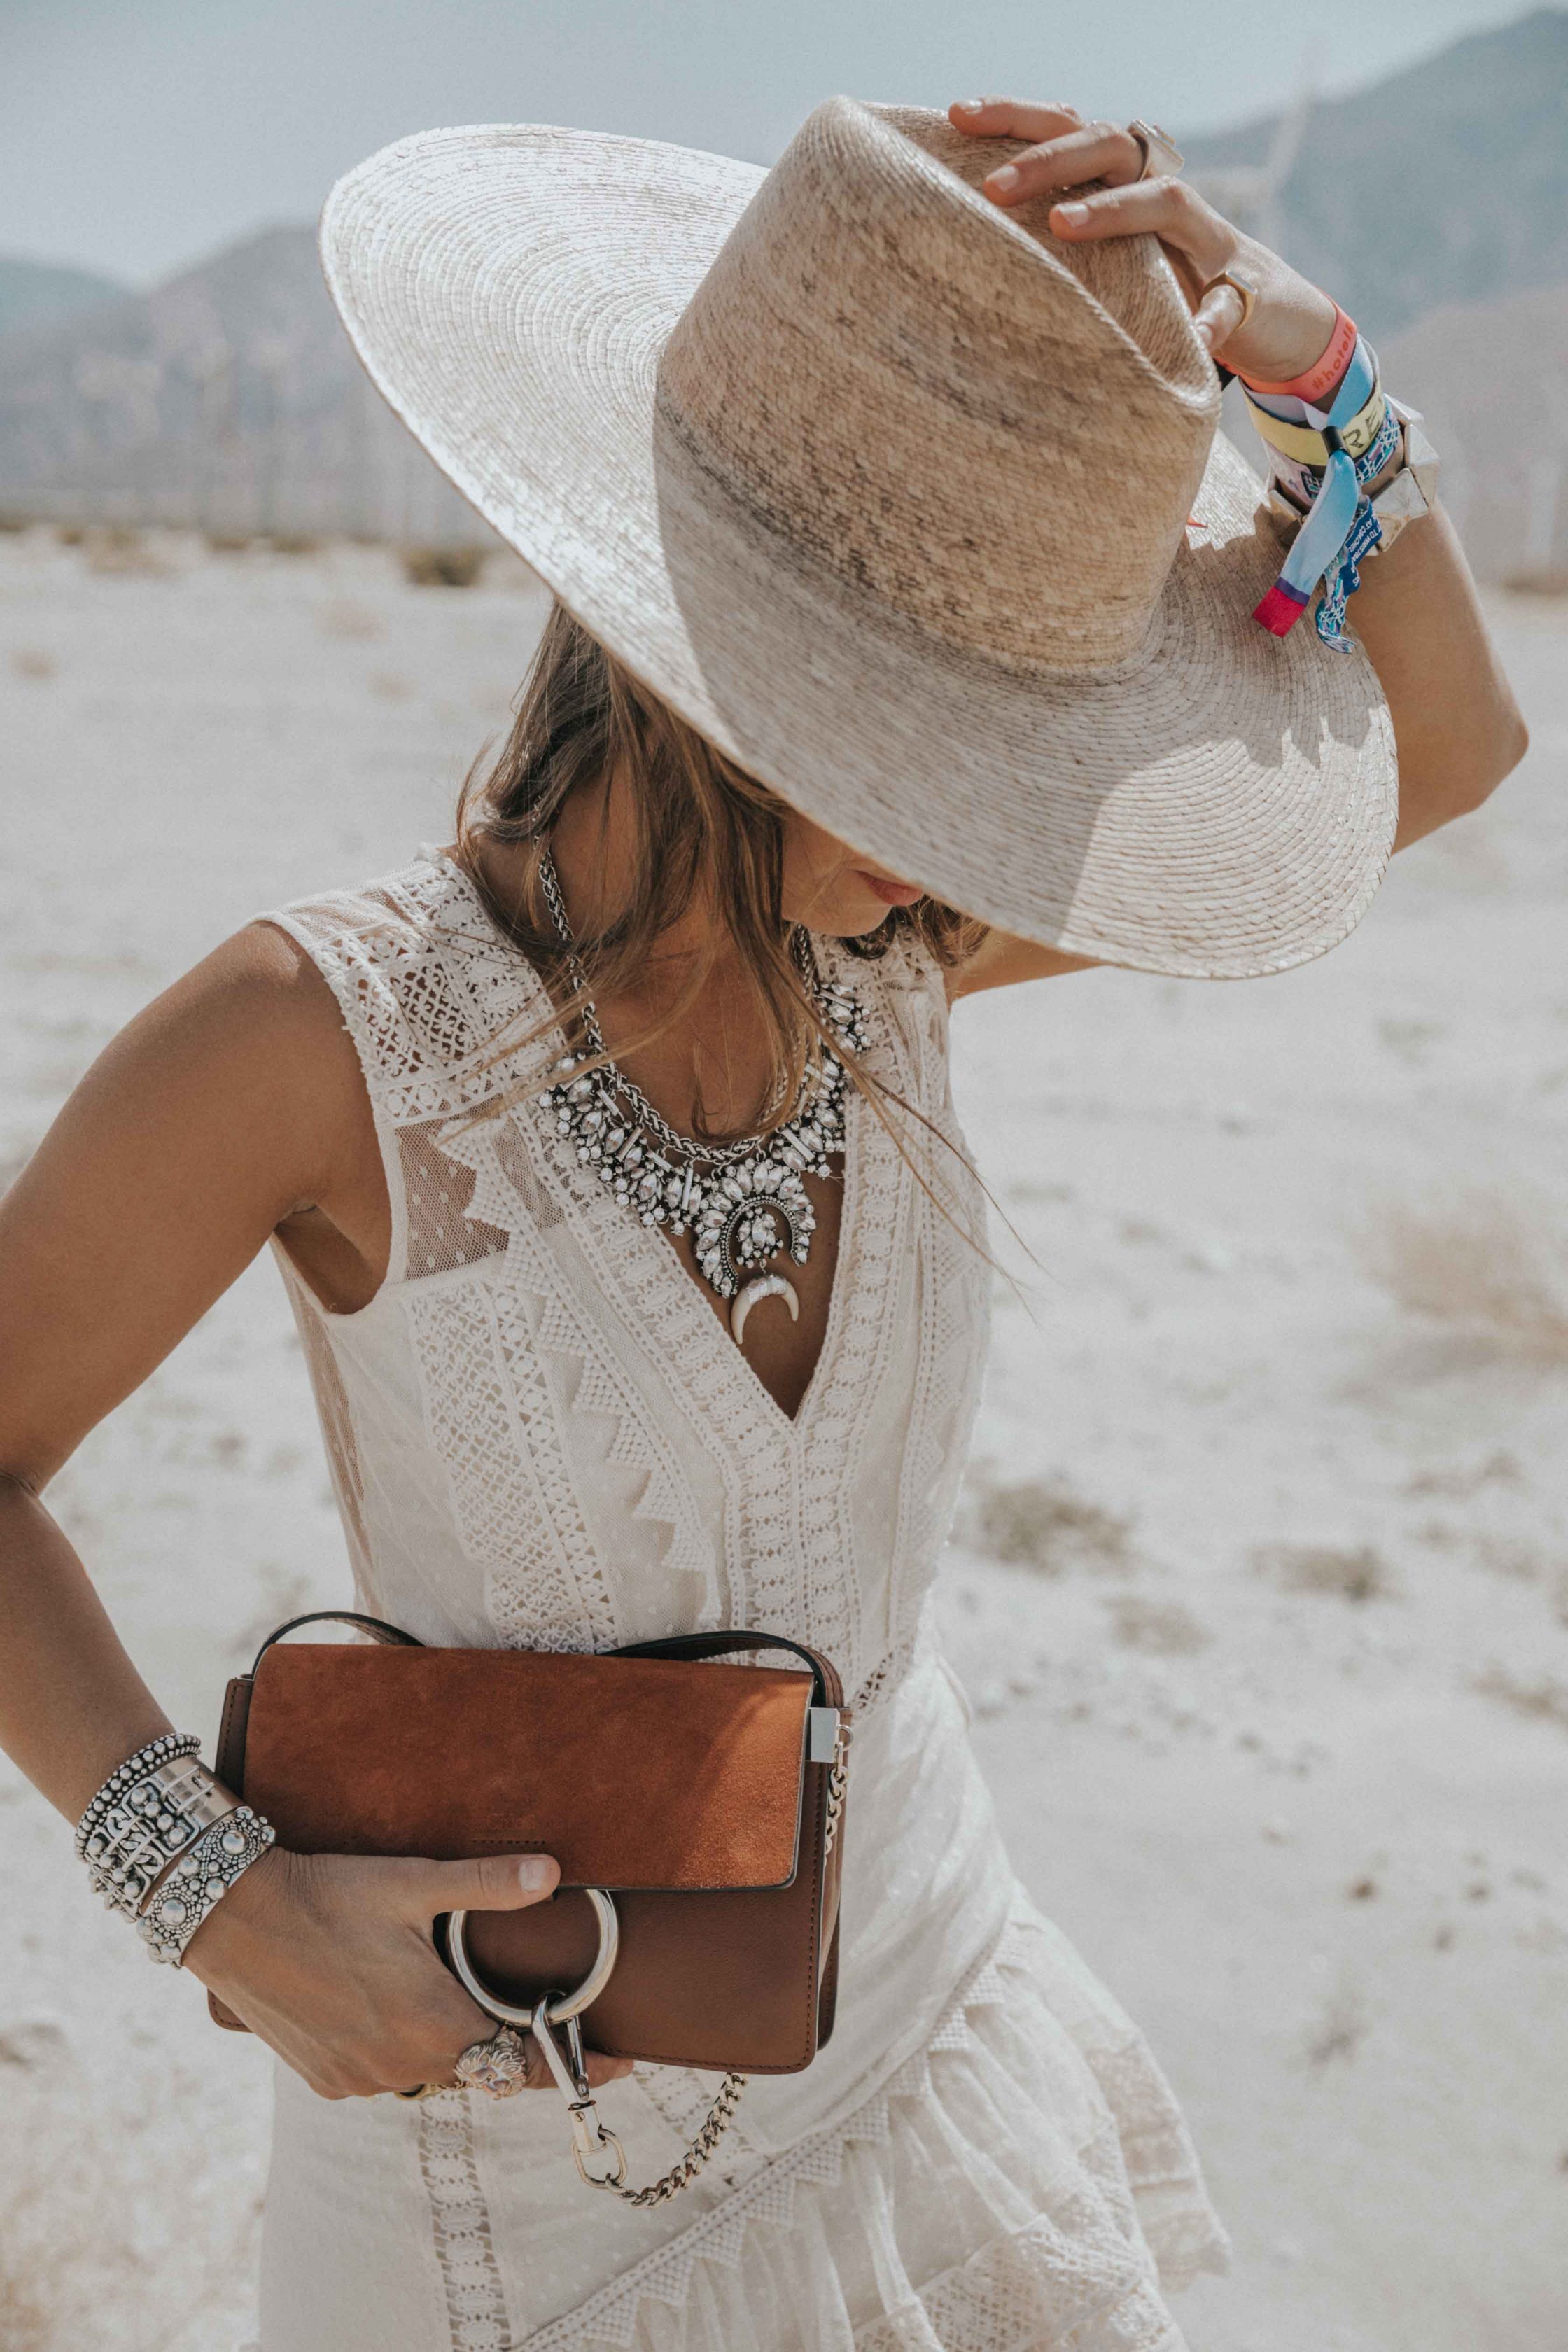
(562, 2007)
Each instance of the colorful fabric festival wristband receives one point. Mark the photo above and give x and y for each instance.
(1305, 445)
(1335, 512)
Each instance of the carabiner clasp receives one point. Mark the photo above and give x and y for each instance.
(593, 2142)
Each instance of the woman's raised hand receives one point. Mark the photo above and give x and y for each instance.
(329, 1959)
(1292, 320)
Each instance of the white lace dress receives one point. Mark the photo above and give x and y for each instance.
(541, 1434)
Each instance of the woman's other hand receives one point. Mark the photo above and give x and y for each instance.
(329, 1959)
(1292, 320)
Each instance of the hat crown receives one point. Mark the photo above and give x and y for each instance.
(996, 434)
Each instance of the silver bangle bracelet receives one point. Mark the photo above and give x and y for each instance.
(167, 1745)
(200, 1879)
(162, 1811)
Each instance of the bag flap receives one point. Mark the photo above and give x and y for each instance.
(632, 1772)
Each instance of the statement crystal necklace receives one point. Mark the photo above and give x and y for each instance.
(743, 1202)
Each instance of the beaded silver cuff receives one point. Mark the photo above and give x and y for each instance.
(200, 1879)
(157, 1812)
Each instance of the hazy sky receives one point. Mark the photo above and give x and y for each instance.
(138, 135)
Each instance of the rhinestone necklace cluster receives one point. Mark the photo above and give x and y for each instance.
(742, 1201)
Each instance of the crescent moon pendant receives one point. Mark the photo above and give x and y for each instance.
(771, 1285)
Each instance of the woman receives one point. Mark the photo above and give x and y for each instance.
(906, 649)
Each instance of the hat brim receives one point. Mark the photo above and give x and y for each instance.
(1220, 804)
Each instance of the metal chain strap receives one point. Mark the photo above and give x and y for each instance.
(680, 2176)
(591, 2140)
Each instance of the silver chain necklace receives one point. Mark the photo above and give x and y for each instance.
(743, 1202)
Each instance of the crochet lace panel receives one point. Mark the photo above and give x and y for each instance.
(511, 1360)
(788, 1541)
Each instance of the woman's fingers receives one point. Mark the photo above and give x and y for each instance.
(1099, 150)
(1166, 208)
(1007, 118)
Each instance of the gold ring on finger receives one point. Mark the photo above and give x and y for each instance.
(1162, 159)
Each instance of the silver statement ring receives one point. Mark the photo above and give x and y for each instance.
(563, 2005)
(1162, 159)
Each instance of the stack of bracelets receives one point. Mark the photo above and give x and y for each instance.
(164, 1841)
(1330, 434)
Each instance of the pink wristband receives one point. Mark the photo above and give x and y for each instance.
(1325, 374)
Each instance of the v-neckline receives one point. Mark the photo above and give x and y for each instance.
(725, 1353)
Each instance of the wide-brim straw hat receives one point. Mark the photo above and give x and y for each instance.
(916, 511)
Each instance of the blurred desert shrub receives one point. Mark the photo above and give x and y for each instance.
(1350, 1573)
(120, 551)
(1541, 1697)
(1163, 1629)
(1492, 1268)
(442, 567)
(1538, 580)
(1043, 1524)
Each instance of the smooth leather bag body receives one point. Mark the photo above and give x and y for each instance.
(682, 1784)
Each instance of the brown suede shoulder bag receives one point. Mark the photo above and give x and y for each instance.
(695, 1807)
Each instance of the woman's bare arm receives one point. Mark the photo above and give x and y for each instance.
(205, 1124)
(1456, 726)
(231, 1108)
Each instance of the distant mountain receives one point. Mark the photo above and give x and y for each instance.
(1445, 184)
(39, 293)
(229, 397)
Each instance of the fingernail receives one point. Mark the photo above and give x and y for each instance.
(972, 105)
(1004, 177)
(534, 1873)
(1075, 215)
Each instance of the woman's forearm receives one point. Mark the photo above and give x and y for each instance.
(1458, 727)
(72, 1705)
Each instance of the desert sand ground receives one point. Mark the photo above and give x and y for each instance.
(1261, 1586)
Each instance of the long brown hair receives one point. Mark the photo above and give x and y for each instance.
(706, 833)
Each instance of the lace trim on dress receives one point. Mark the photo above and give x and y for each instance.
(954, 1325)
(1061, 2281)
(589, 1373)
(491, 1419)
(460, 2222)
(336, 1418)
(1080, 2274)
